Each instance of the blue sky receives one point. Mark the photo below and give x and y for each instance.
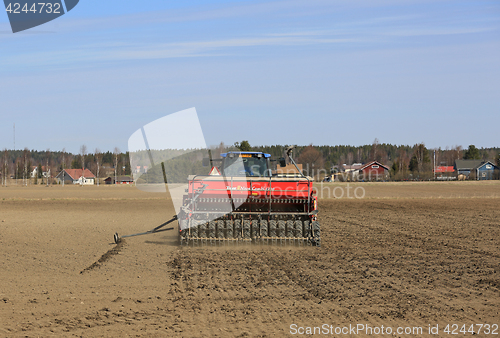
(271, 72)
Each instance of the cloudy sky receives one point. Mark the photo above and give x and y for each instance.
(271, 72)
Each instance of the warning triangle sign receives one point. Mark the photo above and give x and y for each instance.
(214, 171)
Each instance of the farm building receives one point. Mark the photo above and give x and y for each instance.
(445, 173)
(477, 169)
(34, 171)
(465, 167)
(485, 171)
(350, 172)
(119, 180)
(373, 171)
(76, 176)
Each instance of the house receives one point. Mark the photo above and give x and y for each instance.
(34, 171)
(76, 176)
(350, 172)
(485, 171)
(353, 167)
(119, 180)
(374, 171)
(444, 173)
(141, 169)
(465, 167)
(477, 169)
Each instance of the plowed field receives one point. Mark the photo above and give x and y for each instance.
(407, 255)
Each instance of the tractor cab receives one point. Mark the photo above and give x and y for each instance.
(246, 163)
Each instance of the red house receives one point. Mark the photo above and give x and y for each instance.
(373, 171)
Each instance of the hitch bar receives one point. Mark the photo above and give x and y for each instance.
(152, 231)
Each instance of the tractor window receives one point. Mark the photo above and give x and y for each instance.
(246, 166)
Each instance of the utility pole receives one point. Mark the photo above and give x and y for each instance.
(116, 151)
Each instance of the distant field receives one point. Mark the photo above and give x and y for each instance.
(398, 190)
(408, 254)
(75, 192)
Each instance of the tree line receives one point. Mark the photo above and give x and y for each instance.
(19, 164)
(404, 161)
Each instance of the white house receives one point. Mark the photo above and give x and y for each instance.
(34, 172)
(76, 176)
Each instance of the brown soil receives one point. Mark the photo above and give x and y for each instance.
(389, 259)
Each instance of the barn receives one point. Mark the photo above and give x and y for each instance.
(374, 171)
(123, 179)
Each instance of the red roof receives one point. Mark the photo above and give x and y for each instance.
(372, 163)
(445, 169)
(77, 173)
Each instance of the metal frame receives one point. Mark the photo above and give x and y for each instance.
(118, 238)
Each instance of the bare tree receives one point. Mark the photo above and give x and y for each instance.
(5, 167)
(26, 153)
(312, 160)
(116, 152)
(98, 158)
(420, 161)
(375, 152)
(350, 158)
(341, 162)
(83, 152)
(457, 152)
(63, 164)
(401, 165)
(47, 168)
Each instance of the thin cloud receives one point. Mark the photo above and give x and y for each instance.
(121, 51)
(201, 13)
(439, 31)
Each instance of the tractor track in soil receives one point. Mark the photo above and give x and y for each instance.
(106, 256)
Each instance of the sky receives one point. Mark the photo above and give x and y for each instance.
(320, 72)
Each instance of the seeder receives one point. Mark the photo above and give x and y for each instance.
(242, 201)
